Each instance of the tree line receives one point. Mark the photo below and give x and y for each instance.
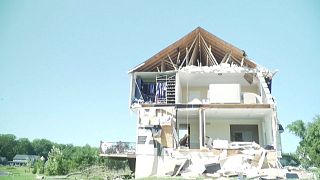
(59, 159)
(10, 146)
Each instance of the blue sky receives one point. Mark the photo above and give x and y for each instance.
(63, 64)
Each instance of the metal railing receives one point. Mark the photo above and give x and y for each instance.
(117, 147)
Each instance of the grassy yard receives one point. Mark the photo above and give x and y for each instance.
(93, 173)
(16, 173)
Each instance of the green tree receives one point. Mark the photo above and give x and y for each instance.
(309, 145)
(8, 146)
(84, 156)
(24, 146)
(298, 128)
(42, 147)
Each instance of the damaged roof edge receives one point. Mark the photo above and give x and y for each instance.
(135, 68)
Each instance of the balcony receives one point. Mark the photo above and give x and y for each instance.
(118, 149)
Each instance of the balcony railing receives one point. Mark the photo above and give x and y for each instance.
(117, 147)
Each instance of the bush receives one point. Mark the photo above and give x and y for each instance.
(290, 159)
(38, 167)
(56, 164)
(34, 170)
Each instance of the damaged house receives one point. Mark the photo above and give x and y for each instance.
(203, 107)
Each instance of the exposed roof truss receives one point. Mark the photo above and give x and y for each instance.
(198, 48)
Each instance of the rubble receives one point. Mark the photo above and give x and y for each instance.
(244, 160)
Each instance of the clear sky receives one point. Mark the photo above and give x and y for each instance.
(63, 64)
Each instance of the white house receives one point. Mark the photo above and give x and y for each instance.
(198, 99)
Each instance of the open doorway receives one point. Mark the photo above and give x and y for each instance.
(244, 133)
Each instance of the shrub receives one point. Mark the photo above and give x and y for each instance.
(34, 170)
(56, 164)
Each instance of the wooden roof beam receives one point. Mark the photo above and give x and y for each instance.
(226, 58)
(194, 54)
(169, 65)
(187, 54)
(207, 48)
(235, 60)
(173, 65)
(211, 57)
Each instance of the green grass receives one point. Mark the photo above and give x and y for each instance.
(25, 173)
(17, 173)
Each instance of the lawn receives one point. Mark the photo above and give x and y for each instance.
(16, 173)
(25, 173)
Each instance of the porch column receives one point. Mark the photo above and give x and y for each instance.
(201, 127)
(274, 130)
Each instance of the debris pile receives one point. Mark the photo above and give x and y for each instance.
(239, 159)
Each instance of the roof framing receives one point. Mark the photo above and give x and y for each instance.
(199, 48)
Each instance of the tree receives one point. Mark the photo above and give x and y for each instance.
(42, 147)
(24, 146)
(8, 146)
(309, 145)
(84, 156)
(298, 128)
